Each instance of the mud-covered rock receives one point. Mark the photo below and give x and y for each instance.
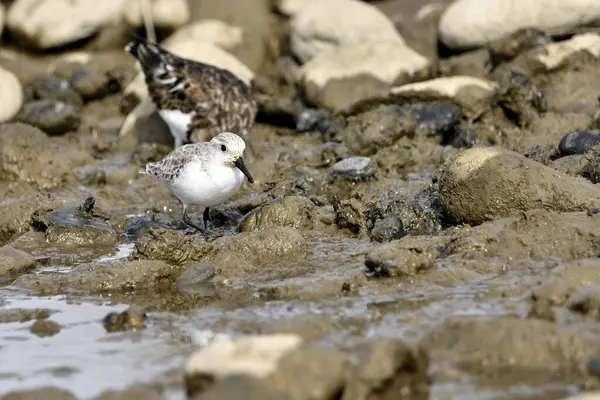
(294, 211)
(196, 279)
(367, 132)
(420, 213)
(333, 152)
(132, 318)
(479, 184)
(579, 142)
(355, 215)
(46, 393)
(170, 246)
(75, 227)
(495, 346)
(52, 87)
(387, 367)
(103, 278)
(15, 213)
(241, 387)
(401, 258)
(13, 261)
(45, 327)
(53, 117)
(530, 237)
(311, 372)
(521, 100)
(387, 229)
(136, 391)
(28, 155)
(257, 356)
(250, 251)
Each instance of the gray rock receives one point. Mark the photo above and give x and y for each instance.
(52, 87)
(401, 258)
(51, 116)
(579, 142)
(355, 168)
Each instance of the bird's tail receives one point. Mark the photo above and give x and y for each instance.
(152, 58)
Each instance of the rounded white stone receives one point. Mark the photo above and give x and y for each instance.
(471, 23)
(11, 95)
(322, 26)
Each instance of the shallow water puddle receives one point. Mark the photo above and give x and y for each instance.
(82, 351)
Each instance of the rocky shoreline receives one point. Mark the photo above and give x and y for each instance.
(424, 221)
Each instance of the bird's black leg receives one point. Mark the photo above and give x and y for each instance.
(205, 216)
(187, 220)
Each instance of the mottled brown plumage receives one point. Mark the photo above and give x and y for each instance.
(197, 100)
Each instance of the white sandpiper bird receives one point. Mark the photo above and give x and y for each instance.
(204, 174)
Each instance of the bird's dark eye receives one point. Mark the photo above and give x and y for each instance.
(223, 148)
(180, 95)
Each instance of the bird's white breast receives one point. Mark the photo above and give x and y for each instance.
(177, 121)
(195, 185)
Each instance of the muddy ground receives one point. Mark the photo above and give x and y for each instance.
(483, 262)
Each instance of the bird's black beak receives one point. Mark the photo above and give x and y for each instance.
(242, 167)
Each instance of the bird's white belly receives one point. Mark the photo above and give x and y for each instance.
(177, 121)
(196, 186)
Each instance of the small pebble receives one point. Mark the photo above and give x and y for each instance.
(354, 168)
(579, 142)
(310, 120)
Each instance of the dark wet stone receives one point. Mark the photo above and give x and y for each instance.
(313, 120)
(388, 229)
(140, 225)
(435, 119)
(52, 87)
(593, 366)
(43, 393)
(355, 168)
(13, 261)
(509, 47)
(579, 142)
(387, 367)
(520, 99)
(52, 116)
(465, 137)
(23, 315)
(420, 213)
(402, 258)
(131, 319)
(45, 327)
(333, 152)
